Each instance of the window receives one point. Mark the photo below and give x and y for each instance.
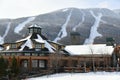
(38, 46)
(13, 54)
(37, 49)
(35, 30)
(41, 63)
(34, 54)
(31, 30)
(3, 54)
(34, 63)
(7, 54)
(39, 30)
(41, 54)
(13, 45)
(25, 63)
(18, 54)
(27, 54)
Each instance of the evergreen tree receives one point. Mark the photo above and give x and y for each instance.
(14, 66)
(3, 66)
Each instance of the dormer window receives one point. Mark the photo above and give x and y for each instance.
(13, 46)
(38, 46)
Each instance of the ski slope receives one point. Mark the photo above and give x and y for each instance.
(22, 25)
(63, 31)
(93, 32)
(83, 18)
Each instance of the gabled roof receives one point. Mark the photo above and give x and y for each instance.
(28, 42)
(55, 42)
(39, 39)
(34, 37)
(34, 26)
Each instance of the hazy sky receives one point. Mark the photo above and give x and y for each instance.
(22, 8)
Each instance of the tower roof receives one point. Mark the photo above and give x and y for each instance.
(34, 26)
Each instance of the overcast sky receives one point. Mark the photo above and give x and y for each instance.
(22, 8)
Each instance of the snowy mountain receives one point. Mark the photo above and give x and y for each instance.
(93, 25)
(117, 11)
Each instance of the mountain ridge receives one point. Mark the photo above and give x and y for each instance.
(81, 20)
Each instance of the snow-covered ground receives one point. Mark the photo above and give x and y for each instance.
(63, 31)
(93, 32)
(22, 25)
(81, 76)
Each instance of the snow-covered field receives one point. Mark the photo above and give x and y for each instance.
(81, 76)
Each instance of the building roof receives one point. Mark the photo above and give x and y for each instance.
(89, 49)
(28, 42)
(56, 42)
(34, 26)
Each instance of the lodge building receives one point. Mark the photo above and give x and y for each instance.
(37, 53)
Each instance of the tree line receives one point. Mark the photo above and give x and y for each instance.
(8, 70)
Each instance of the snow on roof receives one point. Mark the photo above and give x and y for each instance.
(35, 25)
(89, 49)
(40, 40)
(8, 47)
(28, 43)
(25, 38)
(50, 47)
